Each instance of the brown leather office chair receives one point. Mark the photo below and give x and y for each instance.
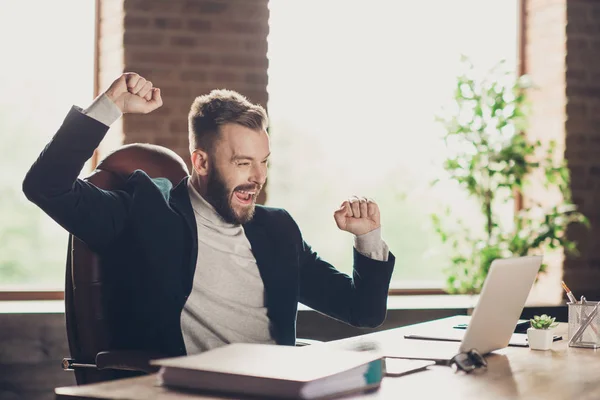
(88, 330)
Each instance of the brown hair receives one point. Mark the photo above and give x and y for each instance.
(209, 112)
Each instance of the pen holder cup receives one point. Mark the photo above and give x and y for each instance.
(584, 325)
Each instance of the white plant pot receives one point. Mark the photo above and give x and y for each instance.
(540, 339)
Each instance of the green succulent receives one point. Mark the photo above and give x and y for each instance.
(543, 322)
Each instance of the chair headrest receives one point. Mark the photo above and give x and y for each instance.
(156, 161)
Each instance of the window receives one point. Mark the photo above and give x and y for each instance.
(354, 89)
(47, 66)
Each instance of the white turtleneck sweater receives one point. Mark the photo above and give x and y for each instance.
(227, 302)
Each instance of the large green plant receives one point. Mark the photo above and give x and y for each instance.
(491, 158)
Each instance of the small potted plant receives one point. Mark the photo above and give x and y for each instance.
(541, 334)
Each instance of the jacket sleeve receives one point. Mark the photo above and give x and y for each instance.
(93, 215)
(359, 300)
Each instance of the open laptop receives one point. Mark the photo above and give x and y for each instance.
(491, 326)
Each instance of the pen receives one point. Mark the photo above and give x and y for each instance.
(586, 322)
(570, 295)
(574, 301)
(584, 301)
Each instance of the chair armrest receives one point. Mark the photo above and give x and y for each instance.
(306, 342)
(129, 360)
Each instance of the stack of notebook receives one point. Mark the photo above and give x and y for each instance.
(310, 372)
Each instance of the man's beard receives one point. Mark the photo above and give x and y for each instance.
(220, 197)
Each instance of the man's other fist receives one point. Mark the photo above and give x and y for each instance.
(358, 216)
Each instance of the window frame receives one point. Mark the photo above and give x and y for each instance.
(14, 294)
(397, 288)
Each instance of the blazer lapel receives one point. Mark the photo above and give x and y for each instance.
(275, 278)
(180, 201)
(262, 248)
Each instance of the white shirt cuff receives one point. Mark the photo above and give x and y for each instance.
(103, 110)
(372, 245)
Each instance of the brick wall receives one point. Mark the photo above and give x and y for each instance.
(583, 136)
(110, 61)
(544, 62)
(186, 48)
(32, 345)
(563, 59)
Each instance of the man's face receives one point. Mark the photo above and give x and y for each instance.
(237, 172)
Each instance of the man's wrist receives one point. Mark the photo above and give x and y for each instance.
(104, 110)
(372, 245)
(112, 96)
(109, 93)
(368, 238)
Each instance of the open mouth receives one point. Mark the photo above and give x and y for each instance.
(244, 197)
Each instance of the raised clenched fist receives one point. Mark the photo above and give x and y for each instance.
(358, 215)
(132, 93)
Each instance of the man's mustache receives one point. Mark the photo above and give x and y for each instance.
(249, 188)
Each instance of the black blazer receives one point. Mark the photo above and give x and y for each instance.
(147, 238)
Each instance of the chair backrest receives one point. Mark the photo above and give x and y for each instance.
(88, 328)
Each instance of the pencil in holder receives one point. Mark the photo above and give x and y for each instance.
(584, 324)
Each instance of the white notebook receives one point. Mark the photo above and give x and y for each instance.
(274, 371)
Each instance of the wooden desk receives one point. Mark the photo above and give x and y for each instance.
(513, 373)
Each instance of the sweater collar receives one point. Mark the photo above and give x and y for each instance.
(205, 212)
